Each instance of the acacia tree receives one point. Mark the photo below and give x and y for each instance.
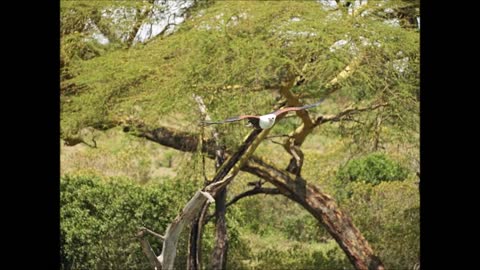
(251, 57)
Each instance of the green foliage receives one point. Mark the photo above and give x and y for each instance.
(388, 216)
(252, 45)
(303, 227)
(280, 235)
(373, 168)
(99, 219)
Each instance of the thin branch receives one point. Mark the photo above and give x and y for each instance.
(333, 85)
(147, 249)
(254, 191)
(277, 136)
(248, 193)
(349, 111)
(275, 142)
(152, 233)
(219, 152)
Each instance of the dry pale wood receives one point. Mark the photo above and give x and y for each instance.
(170, 240)
(191, 210)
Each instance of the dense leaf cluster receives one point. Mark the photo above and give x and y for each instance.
(373, 168)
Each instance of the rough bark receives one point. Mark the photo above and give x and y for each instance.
(219, 254)
(296, 138)
(325, 210)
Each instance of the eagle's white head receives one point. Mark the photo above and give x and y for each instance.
(267, 121)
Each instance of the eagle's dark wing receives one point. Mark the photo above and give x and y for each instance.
(288, 109)
(232, 119)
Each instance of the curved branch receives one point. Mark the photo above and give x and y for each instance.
(248, 193)
(325, 210)
(254, 191)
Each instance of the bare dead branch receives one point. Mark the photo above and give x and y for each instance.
(190, 212)
(147, 249)
(233, 164)
(219, 152)
(169, 250)
(223, 177)
(152, 233)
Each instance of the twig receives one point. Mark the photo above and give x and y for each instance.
(254, 191)
(153, 233)
(349, 111)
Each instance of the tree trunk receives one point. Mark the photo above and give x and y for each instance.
(325, 210)
(195, 241)
(219, 255)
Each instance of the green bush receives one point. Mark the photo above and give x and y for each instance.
(303, 227)
(388, 215)
(373, 168)
(99, 220)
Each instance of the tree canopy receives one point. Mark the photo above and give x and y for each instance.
(235, 56)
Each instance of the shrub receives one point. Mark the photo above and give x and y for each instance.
(388, 215)
(99, 219)
(373, 168)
